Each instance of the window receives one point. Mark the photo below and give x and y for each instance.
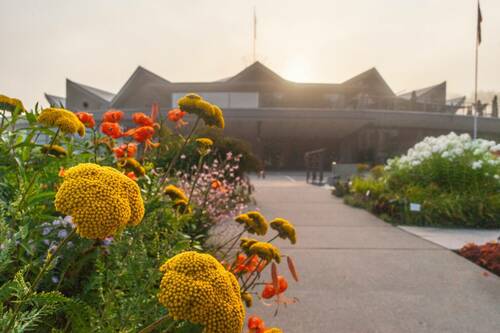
(235, 100)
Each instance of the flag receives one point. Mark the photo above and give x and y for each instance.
(479, 21)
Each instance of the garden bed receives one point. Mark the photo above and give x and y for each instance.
(448, 181)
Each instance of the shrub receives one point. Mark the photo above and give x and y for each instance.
(454, 178)
(486, 255)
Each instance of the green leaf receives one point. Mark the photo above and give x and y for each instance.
(41, 197)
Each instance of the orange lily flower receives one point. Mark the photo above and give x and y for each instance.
(269, 291)
(256, 325)
(142, 119)
(86, 118)
(132, 175)
(112, 116)
(111, 129)
(125, 149)
(176, 115)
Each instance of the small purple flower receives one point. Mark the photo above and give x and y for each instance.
(55, 279)
(62, 233)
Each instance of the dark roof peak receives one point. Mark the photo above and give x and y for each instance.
(99, 93)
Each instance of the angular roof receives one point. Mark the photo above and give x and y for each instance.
(256, 72)
(421, 93)
(367, 79)
(99, 93)
(140, 76)
(56, 101)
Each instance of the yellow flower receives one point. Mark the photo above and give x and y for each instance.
(265, 251)
(188, 103)
(247, 298)
(205, 142)
(101, 200)
(204, 145)
(10, 104)
(175, 193)
(182, 206)
(254, 222)
(285, 229)
(273, 330)
(216, 118)
(195, 104)
(54, 150)
(66, 120)
(130, 163)
(246, 243)
(197, 288)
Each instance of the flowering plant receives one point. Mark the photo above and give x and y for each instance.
(454, 179)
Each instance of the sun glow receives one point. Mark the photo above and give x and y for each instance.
(298, 70)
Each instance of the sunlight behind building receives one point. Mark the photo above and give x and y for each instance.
(298, 70)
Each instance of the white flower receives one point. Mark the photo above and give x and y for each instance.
(477, 164)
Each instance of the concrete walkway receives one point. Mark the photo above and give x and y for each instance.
(359, 274)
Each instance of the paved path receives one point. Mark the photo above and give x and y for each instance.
(359, 274)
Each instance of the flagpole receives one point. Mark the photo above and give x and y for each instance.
(476, 72)
(254, 58)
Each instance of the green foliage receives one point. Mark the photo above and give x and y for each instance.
(94, 285)
(454, 179)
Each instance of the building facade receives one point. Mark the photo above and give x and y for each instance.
(359, 120)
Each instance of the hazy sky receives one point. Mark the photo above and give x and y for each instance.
(413, 43)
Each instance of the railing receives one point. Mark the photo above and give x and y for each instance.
(314, 161)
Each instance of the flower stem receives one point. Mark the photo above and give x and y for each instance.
(186, 140)
(155, 324)
(235, 238)
(198, 174)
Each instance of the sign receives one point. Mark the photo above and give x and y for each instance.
(415, 207)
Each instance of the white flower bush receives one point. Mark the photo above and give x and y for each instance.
(450, 147)
(456, 180)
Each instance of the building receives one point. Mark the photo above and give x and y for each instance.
(359, 120)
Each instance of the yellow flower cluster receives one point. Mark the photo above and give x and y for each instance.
(273, 330)
(211, 114)
(131, 164)
(54, 150)
(10, 104)
(246, 243)
(101, 200)
(285, 229)
(175, 193)
(66, 120)
(197, 288)
(204, 145)
(247, 298)
(265, 251)
(254, 222)
(182, 206)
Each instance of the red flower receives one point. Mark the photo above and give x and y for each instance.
(111, 129)
(86, 118)
(125, 149)
(256, 325)
(215, 184)
(142, 134)
(269, 291)
(132, 176)
(176, 115)
(142, 119)
(112, 116)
